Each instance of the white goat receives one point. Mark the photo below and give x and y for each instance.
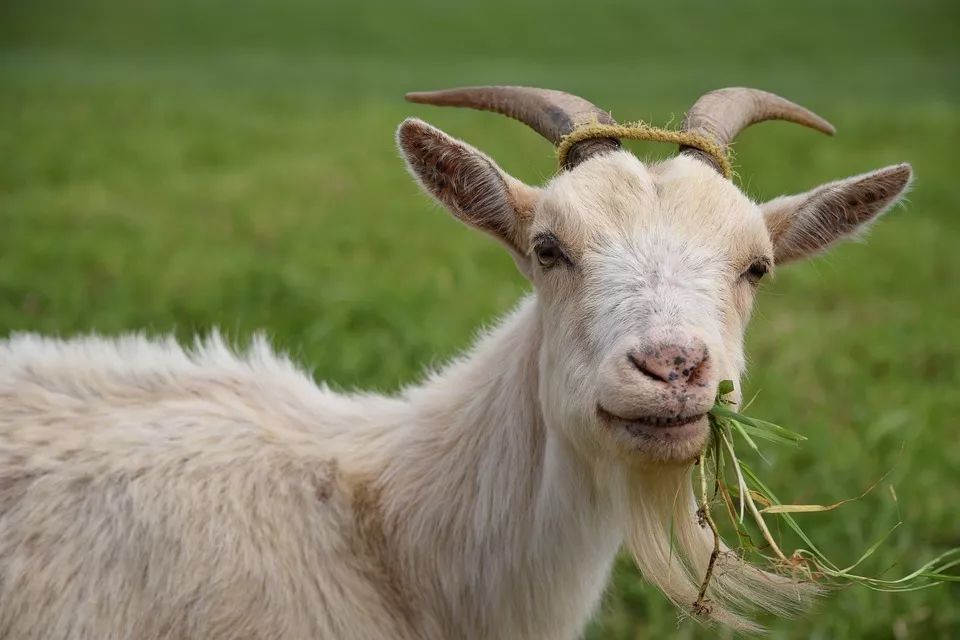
(149, 492)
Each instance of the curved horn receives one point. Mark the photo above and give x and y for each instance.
(724, 113)
(552, 114)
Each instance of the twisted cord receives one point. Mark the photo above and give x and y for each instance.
(644, 131)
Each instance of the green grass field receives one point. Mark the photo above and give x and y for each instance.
(179, 165)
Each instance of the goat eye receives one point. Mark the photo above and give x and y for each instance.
(756, 271)
(548, 253)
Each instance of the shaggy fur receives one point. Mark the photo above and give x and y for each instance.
(151, 492)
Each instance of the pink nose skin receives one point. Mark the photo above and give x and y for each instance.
(679, 366)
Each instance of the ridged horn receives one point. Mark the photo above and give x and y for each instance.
(552, 114)
(724, 113)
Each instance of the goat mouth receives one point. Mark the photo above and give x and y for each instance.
(678, 427)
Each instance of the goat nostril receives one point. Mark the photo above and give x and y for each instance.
(696, 373)
(641, 366)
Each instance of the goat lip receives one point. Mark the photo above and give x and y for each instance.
(650, 424)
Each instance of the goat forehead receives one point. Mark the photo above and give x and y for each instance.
(616, 196)
(640, 277)
(601, 194)
(699, 199)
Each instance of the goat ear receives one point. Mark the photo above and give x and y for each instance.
(469, 184)
(807, 223)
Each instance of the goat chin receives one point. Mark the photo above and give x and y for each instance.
(672, 551)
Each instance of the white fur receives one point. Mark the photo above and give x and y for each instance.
(152, 492)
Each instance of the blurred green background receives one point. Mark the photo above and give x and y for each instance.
(172, 166)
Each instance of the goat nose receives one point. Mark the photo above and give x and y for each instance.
(675, 364)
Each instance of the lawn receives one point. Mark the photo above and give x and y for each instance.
(180, 165)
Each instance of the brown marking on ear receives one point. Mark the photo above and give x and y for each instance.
(805, 224)
(523, 198)
(467, 182)
(777, 214)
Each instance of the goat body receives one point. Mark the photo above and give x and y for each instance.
(151, 492)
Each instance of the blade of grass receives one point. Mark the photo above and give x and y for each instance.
(786, 516)
(811, 508)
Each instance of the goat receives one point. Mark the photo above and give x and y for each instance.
(149, 491)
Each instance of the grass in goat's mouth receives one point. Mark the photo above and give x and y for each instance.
(744, 496)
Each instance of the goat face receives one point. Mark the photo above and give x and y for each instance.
(645, 277)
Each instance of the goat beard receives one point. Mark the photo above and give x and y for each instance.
(671, 548)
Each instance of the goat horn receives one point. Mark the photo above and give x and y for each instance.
(552, 114)
(724, 113)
